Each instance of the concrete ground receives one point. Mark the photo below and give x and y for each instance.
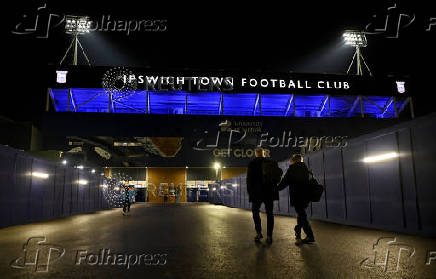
(204, 241)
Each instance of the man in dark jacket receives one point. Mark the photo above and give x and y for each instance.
(297, 178)
(259, 193)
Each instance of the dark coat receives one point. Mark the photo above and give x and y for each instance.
(297, 178)
(255, 188)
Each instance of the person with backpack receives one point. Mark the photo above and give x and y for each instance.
(297, 178)
(262, 178)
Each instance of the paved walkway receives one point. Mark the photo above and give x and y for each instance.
(203, 241)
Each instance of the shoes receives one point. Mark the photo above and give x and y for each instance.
(308, 240)
(124, 213)
(269, 240)
(258, 237)
(297, 232)
(298, 241)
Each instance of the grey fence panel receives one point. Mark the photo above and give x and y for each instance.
(30, 197)
(49, 200)
(37, 191)
(23, 180)
(319, 209)
(408, 180)
(424, 150)
(7, 187)
(356, 183)
(384, 182)
(334, 185)
(59, 191)
(75, 207)
(68, 192)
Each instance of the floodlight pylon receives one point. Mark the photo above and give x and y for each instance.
(357, 39)
(76, 25)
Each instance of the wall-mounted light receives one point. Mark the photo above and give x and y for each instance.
(41, 175)
(82, 182)
(380, 157)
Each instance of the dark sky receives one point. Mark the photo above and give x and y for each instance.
(266, 36)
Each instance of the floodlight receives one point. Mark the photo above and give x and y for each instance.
(356, 39)
(77, 24)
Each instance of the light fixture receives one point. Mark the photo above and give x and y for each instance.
(235, 185)
(83, 182)
(380, 157)
(80, 167)
(41, 175)
(102, 174)
(223, 187)
(93, 170)
(213, 189)
(217, 165)
(76, 25)
(356, 39)
(64, 162)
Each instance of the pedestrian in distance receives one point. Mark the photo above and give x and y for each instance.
(262, 177)
(297, 178)
(126, 200)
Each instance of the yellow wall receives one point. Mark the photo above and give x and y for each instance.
(227, 173)
(156, 176)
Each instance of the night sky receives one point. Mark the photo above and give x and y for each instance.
(263, 36)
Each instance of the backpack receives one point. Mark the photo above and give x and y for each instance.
(315, 189)
(271, 173)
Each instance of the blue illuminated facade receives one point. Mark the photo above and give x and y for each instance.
(225, 103)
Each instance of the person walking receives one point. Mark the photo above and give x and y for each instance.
(126, 200)
(297, 178)
(261, 189)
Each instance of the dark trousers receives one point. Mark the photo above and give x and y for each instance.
(255, 207)
(126, 206)
(302, 222)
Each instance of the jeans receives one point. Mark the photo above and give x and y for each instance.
(126, 206)
(255, 207)
(302, 223)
